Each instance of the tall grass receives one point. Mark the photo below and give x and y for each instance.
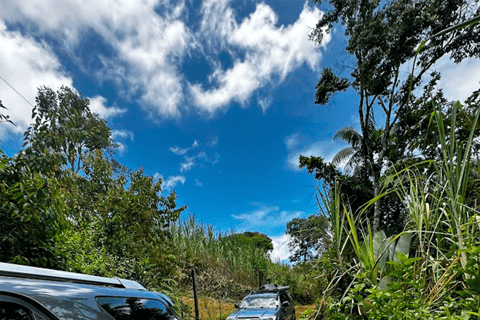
(222, 262)
(444, 231)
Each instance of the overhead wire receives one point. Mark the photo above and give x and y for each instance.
(17, 91)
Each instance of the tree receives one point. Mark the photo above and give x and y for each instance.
(64, 124)
(3, 117)
(255, 239)
(382, 39)
(308, 237)
(31, 212)
(120, 221)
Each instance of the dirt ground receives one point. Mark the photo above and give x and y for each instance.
(210, 309)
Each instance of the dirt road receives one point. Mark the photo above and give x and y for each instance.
(211, 309)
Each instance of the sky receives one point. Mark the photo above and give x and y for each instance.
(215, 97)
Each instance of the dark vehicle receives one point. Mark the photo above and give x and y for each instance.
(269, 302)
(28, 293)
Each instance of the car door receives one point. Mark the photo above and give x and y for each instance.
(286, 307)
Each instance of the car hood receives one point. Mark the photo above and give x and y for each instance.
(252, 313)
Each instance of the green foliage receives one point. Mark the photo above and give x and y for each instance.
(120, 223)
(4, 117)
(64, 124)
(31, 212)
(308, 237)
(440, 279)
(329, 83)
(255, 239)
(382, 38)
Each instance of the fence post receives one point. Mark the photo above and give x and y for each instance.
(197, 316)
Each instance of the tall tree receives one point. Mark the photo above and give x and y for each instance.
(64, 124)
(308, 237)
(119, 216)
(382, 39)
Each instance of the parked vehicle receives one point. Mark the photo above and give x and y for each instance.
(269, 302)
(29, 293)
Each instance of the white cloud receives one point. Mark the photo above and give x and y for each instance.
(118, 135)
(271, 52)
(296, 147)
(292, 141)
(265, 103)
(97, 105)
(213, 142)
(122, 134)
(190, 161)
(172, 181)
(187, 164)
(198, 183)
(149, 40)
(26, 65)
(150, 44)
(178, 151)
(280, 252)
(266, 216)
(183, 151)
(459, 80)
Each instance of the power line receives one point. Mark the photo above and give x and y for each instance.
(17, 91)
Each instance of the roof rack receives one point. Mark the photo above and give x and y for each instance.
(271, 287)
(20, 271)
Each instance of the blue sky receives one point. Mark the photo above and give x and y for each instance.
(213, 96)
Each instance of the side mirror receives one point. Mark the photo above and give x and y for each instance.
(237, 306)
(285, 304)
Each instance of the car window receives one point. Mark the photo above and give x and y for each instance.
(12, 308)
(283, 298)
(14, 311)
(136, 308)
(260, 301)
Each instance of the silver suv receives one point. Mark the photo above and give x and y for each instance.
(269, 302)
(29, 293)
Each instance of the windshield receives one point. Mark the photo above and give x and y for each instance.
(259, 301)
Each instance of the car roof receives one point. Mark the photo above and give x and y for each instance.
(68, 295)
(271, 287)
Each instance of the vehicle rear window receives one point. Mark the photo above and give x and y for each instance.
(135, 308)
(13, 311)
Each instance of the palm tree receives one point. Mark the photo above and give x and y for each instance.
(358, 157)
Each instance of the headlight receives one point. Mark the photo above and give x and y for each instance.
(268, 318)
(231, 318)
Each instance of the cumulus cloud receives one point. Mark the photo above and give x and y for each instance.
(271, 52)
(171, 182)
(26, 65)
(280, 252)
(265, 215)
(98, 106)
(148, 42)
(298, 145)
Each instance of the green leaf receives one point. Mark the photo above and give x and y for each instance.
(402, 257)
(403, 244)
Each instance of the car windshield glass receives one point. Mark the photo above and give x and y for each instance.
(260, 301)
(136, 309)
